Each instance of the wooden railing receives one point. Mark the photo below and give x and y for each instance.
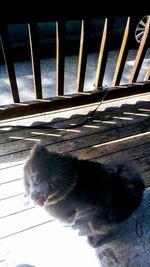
(116, 89)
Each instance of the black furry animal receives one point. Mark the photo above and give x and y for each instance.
(68, 187)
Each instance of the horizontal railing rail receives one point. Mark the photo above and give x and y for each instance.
(61, 100)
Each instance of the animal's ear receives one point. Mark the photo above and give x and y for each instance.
(38, 149)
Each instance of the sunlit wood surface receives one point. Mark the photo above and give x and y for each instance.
(120, 129)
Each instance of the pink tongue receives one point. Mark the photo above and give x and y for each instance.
(40, 201)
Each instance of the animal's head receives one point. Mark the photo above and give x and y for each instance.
(48, 175)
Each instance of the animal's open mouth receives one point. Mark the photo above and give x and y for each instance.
(51, 199)
(40, 201)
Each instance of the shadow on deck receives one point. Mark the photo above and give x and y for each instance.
(119, 129)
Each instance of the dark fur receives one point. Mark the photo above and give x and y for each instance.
(111, 193)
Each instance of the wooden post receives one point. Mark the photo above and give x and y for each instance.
(33, 37)
(8, 62)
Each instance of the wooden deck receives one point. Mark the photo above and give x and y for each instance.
(120, 128)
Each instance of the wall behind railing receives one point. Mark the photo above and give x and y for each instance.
(106, 40)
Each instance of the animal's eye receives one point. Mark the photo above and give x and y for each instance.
(51, 185)
(35, 179)
(27, 184)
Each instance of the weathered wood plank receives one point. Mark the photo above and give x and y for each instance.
(132, 153)
(123, 146)
(133, 111)
(11, 189)
(34, 107)
(124, 140)
(20, 222)
(124, 115)
(135, 155)
(14, 205)
(11, 173)
(16, 172)
(105, 130)
(79, 110)
(13, 153)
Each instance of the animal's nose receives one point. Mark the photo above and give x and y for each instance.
(34, 195)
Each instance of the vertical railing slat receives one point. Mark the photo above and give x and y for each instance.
(126, 41)
(9, 63)
(147, 75)
(60, 56)
(82, 55)
(140, 53)
(122, 53)
(33, 37)
(103, 53)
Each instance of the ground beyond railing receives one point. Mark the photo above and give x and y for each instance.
(39, 104)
